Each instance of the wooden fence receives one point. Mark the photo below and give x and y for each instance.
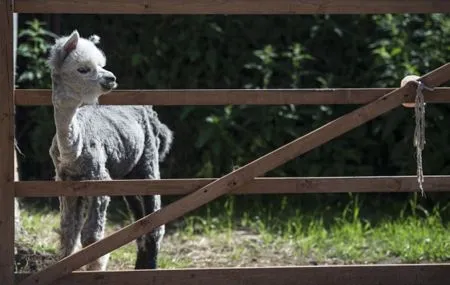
(244, 180)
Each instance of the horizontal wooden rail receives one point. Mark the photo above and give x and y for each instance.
(232, 6)
(401, 274)
(267, 185)
(26, 97)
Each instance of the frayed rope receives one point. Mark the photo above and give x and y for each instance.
(419, 132)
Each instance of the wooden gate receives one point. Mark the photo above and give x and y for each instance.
(243, 180)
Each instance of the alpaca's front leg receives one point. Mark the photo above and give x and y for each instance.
(72, 212)
(94, 228)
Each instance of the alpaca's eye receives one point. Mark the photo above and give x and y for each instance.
(83, 70)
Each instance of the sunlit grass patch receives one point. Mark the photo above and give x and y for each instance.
(40, 230)
(276, 235)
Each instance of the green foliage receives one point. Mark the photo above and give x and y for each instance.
(32, 53)
(34, 124)
(409, 44)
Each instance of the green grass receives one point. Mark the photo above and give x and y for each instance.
(227, 234)
(40, 230)
(340, 237)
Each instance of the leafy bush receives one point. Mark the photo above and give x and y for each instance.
(35, 127)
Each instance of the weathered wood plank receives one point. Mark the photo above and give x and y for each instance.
(266, 185)
(232, 6)
(27, 97)
(429, 274)
(235, 179)
(6, 144)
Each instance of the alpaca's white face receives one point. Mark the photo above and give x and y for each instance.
(81, 69)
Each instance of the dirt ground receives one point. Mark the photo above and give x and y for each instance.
(29, 260)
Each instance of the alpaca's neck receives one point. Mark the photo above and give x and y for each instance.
(68, 129)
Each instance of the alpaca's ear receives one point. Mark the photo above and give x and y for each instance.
(72, 42)
(62, 48)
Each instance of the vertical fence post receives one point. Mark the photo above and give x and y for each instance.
(6, 144)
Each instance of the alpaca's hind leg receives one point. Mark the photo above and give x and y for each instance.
(72, 211)
(148, 252)
(94, 228)
(147, 245)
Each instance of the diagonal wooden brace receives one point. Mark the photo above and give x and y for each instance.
(236, 179)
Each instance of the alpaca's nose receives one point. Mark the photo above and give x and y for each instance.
(109, 78)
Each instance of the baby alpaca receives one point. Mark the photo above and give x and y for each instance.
(95, 142)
